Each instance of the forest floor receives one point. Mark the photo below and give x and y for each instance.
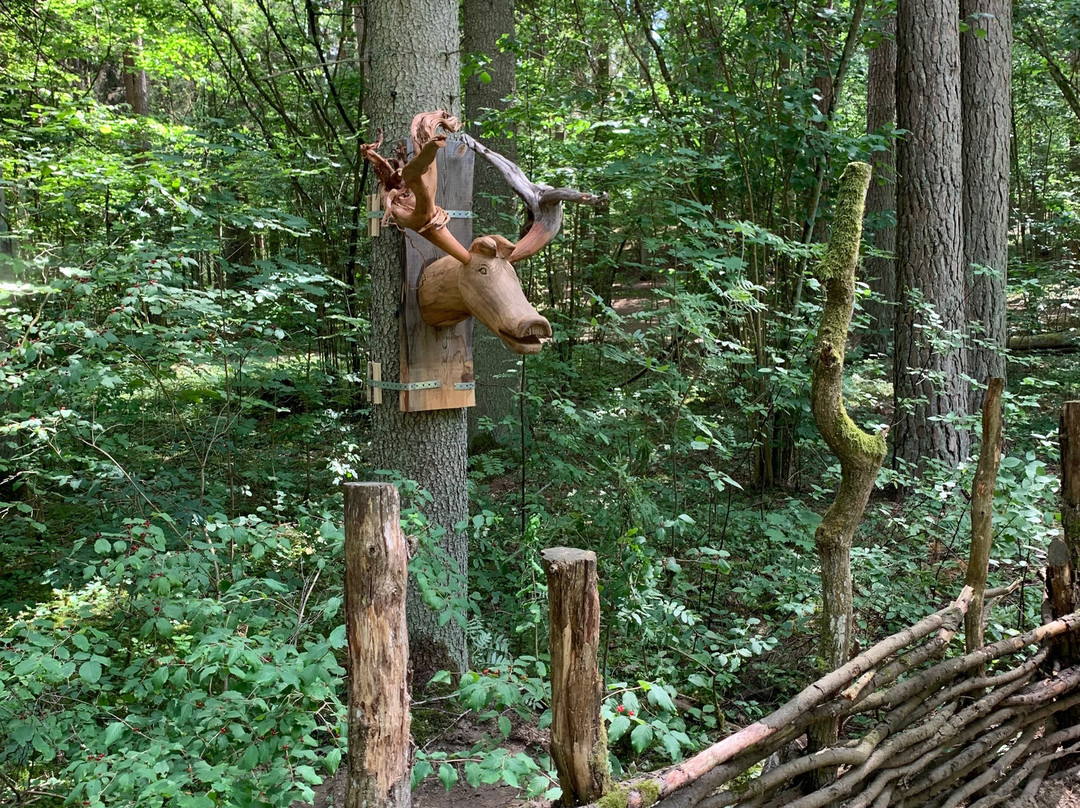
(431, 794)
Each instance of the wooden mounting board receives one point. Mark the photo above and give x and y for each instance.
(443, 354)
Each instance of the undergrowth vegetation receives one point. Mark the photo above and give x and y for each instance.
(182, 335)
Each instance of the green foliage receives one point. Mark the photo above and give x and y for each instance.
(190, 668)
(181, 337)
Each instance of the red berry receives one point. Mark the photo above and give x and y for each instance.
(619, 709)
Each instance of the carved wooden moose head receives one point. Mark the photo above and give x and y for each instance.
(479, 281)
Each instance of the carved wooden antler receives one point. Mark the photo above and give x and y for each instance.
(410, 190)
(543, 202)
(410, 187)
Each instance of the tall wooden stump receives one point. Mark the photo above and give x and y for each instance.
(982, 514)
(376, 556)
(578, 737)
(1064, 558)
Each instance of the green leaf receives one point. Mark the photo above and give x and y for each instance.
(659, 696)
(332, 760)
(447, 775)
(80, 642)
(90, 671)
(671, 746)
(309, 774)
(337, 637)
(641, 737)
(113, 733)
(504, 726)
(250, 758)
(421, 769)
(102, 546)
(618, 727)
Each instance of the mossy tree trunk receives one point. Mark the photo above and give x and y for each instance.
(860, 454)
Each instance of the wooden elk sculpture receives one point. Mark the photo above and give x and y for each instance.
(479, 281)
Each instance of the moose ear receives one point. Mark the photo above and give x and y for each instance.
(503, 247)
(485, 245)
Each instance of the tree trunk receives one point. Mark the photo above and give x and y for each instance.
(929, 359)
(494, 203)
(376, 561)
(414, 67)
(860, 454)
(136, 87)
(881, 198)
(986, 101)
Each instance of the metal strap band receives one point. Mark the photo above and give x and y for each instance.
(453, 214)
(432, 385)
(464, 385)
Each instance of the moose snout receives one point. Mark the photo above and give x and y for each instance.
(525, 336)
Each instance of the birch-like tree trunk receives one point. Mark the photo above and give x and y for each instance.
(414, 66)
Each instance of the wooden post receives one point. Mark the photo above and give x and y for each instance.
(578, 737)
(1064, 557)
(380, 759)
(982, 514)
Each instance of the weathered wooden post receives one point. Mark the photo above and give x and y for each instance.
(982, 514)
(578, 737)
(1064, 554)
(376, 556)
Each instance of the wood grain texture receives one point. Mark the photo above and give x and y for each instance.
(578, 737)
(376, 558)
(443, 354)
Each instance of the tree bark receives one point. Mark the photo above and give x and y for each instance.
(494, 204)
(982, 513)
(376, 562)
(136, 87)
(860, 454)
(413, 67)
(929, 359)
(578, 737)
(881, 197)
(986, 102)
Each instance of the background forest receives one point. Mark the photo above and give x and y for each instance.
(184, 337)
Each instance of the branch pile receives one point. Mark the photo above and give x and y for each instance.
(976, 730)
